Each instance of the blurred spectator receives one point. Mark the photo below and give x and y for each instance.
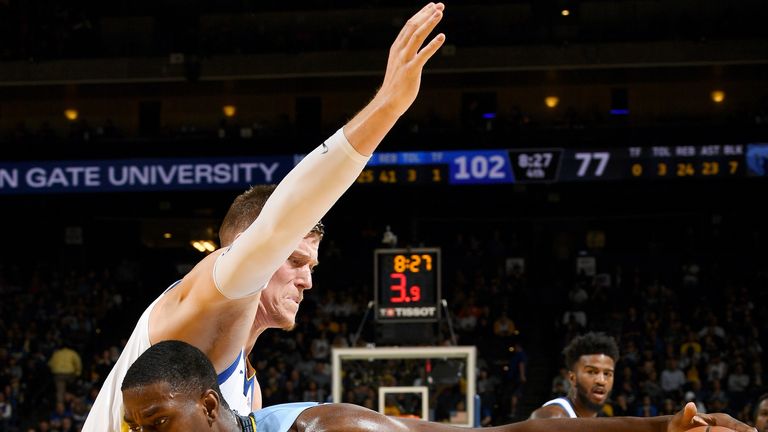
(486, 388)
(66, 368)
(691, 347)
(672, 379)
(621, 406)
(738, 384)
(516, 377)
(313, 393)
(690, 396)
(6, 414)
(717, 400)
(503, 326)
(561, 385)
(59, 414)
(320, 347)
(647, 408)
(668, 407)
(717, 368)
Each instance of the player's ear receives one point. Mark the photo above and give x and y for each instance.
(211, 405)
(571, 376)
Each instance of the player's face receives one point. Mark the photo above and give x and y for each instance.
(285, 290)
(156, 408)
(761, 420)
(593, 380)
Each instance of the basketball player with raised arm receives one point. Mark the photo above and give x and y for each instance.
(227, 299)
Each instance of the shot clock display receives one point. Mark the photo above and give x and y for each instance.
(407, 285)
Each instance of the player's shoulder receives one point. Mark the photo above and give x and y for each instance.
(550, 411)
(198, 284)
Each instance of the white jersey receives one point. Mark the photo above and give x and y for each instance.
(316, 182)
(237, 387)
(563, 403)
(107, 412)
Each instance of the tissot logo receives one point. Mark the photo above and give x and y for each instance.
(424, 312)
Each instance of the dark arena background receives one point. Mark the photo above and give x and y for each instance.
(578, 166)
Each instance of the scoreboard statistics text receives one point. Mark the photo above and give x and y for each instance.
(547, 165)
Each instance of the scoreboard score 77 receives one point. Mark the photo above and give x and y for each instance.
(407, 285)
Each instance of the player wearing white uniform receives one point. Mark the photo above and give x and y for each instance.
(198, 307)
(234, 381)
(230, 297)
(563, 403)
(591, 360)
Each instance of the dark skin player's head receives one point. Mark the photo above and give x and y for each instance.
(591, 361)
(173, 387)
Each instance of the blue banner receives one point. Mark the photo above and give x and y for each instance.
(456, 166)
(466, 166)
(141, 174)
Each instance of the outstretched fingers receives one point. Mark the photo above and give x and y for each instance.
(412, 24)
(428, 51)
(407, 58)
(422, 28)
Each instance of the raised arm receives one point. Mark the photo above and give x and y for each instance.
(315, 184)
(402, 80)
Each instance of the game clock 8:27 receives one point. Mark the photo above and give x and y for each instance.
(407, 284)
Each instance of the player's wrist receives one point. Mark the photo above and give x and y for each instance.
(386, 107)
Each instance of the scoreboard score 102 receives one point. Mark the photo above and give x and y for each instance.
(548, 165)
(407, 285)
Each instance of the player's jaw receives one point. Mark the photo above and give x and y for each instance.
(278, 305)
(289, 307)
(593, 397)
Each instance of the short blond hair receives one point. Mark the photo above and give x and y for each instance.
(245, 209)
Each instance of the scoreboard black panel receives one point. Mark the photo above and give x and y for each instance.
(543, 165)
(407, 284)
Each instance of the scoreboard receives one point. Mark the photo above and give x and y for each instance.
(455, 167)
(546, 165)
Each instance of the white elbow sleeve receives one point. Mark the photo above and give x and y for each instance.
(227, 288)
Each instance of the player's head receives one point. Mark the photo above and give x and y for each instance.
(173, 384)
(591, 360)
(279, 301)
(245, 209)
(761, 413)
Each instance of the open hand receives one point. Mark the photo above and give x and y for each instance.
(407, 58)
(688, 418)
